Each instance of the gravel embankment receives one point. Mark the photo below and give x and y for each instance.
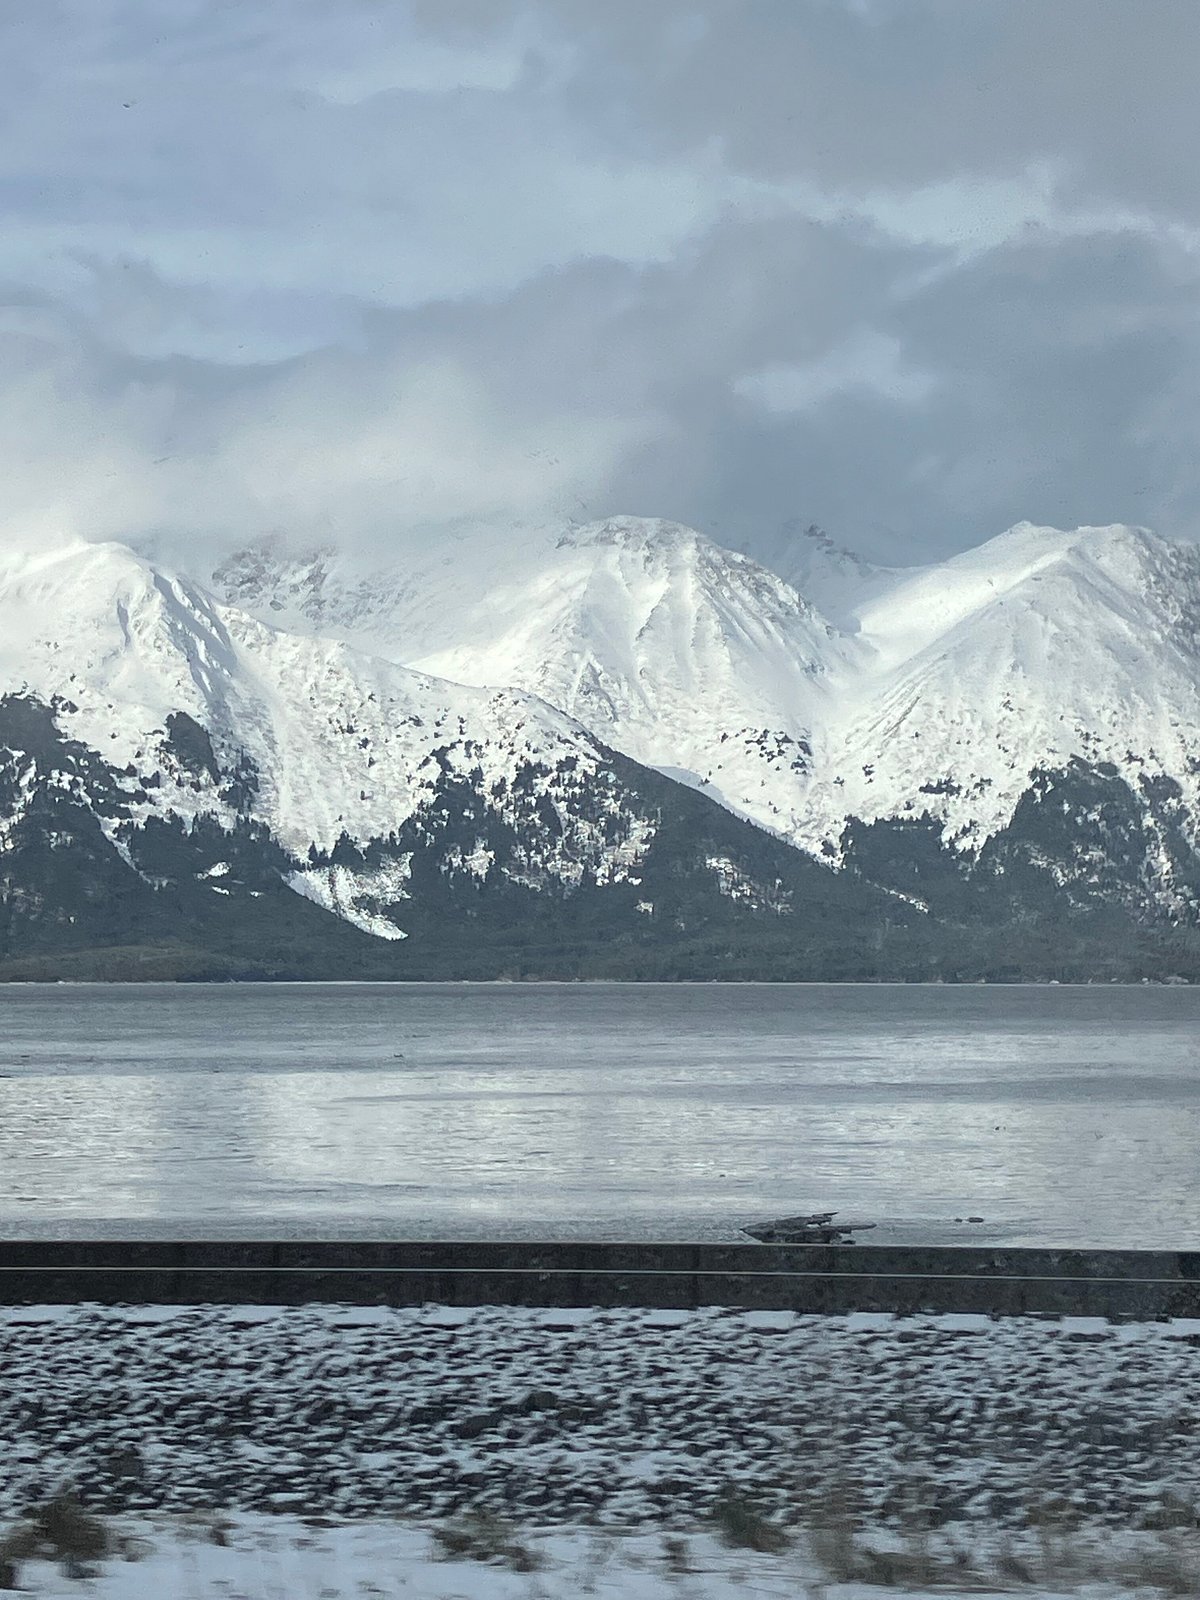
(630, 1417)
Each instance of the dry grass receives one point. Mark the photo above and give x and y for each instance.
(62, 1531)
(1054, 1552)
(479, 1537)
(742, 1526)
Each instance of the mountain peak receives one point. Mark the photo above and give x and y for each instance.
(632, 533)
(1047, 681)
(1030, 544)
(832, 577)
(686, 656)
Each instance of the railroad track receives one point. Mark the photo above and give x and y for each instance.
(813, 1279)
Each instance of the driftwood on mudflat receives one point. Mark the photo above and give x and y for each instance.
(816, 1228)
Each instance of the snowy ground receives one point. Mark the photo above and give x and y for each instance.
(285, 1559)
(621, 1419)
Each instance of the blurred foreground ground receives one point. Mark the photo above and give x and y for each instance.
(620, 1419)
(279, 1558)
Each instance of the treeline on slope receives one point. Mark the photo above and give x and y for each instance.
(1069, 954)
(73, 906)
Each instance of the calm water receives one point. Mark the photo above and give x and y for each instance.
(1056, 1114)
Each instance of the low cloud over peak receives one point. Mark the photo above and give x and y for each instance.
(374, 273)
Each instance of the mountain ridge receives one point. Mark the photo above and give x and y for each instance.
(989, 766)
(156, 736)
(761, 665)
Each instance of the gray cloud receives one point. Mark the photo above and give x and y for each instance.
(903, 93)
(914, 270)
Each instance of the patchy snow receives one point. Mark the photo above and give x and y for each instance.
(737, 884)
(357, 896)
(369, 1439)
(628, 1419)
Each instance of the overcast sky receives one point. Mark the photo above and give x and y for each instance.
(374, 269)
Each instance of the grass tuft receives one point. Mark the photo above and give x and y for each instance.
(480, 1537)
(743, 1527)
(62, 1531)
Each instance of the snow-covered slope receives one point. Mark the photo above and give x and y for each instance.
(686, 656)
(337, 738)
(683, 655)
(1035, 648)
(403, 605)
(900, 692)
(311, 737)
(834, 579)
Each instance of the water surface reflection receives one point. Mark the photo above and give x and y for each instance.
(1066, 1115)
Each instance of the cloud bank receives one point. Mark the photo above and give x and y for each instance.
(379, 273)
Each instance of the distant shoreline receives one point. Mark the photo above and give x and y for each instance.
(593, 983)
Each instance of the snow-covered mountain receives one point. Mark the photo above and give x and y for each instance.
(684, 656)
(405, 607)
(1036, 648)
(139, 702)
(687, 657)
(831, 577)
(865, 693)
(993, 742)
(339, 742)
